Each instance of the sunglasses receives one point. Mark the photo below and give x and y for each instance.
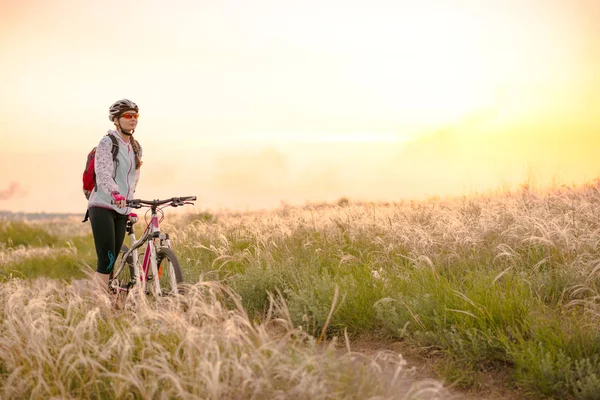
(130, 116)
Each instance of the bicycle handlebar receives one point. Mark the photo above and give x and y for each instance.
(175, 202)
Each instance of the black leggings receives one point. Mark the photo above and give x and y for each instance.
(108, 227)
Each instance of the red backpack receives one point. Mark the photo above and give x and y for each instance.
(89, 174)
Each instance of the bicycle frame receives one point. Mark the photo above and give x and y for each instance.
(152, 231)
(154, 240)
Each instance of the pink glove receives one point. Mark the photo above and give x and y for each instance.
(133, 218)
(117, 196)
(119, 199)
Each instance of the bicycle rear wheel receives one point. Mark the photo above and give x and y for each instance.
(170, 276)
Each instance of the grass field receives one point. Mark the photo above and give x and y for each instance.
(505, 284)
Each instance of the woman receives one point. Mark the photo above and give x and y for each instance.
(115, 182)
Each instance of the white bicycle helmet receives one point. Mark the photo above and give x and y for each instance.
(120, 107)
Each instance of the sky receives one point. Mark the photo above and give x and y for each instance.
(251, 104)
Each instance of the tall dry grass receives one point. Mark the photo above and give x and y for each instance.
(504, 282)
(500, 282)
(61, 340)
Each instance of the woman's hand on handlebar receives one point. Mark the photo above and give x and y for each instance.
(119, 199)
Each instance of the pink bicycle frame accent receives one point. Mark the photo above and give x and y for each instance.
(153, 227)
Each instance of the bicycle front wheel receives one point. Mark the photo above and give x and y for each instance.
(170, 276)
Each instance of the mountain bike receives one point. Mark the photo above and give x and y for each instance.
(159, 271)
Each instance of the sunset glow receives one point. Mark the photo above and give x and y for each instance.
(248, 104)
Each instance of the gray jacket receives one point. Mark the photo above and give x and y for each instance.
(124, 180)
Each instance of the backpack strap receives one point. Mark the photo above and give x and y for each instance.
(114, 151)
(87, 215)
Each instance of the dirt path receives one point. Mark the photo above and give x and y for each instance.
(493, 388)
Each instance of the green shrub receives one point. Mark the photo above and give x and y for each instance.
(63, 265)
(19, 233)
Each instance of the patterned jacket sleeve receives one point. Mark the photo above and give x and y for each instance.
(137, 172)
(104, 166)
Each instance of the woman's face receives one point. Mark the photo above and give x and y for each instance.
(129, 120)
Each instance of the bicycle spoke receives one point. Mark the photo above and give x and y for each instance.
(122, 278)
